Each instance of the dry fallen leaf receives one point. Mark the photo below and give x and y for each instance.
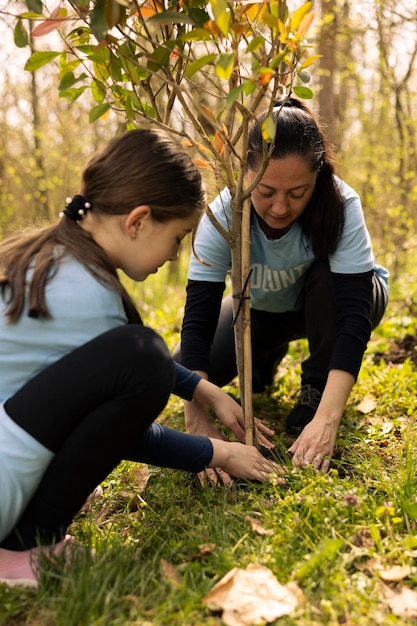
(204, 549)
(402, 602)
(140, 475)
(252, 596)
(395, 573)
(363, 538)
(367, 405)
(170, 575)
(257, 526)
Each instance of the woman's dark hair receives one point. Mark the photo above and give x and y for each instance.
(140, 167)
(298, 134)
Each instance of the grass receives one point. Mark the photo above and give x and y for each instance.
(161, 541)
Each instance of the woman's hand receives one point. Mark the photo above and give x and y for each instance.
(316, 443)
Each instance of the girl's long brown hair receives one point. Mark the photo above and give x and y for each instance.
(141, 167)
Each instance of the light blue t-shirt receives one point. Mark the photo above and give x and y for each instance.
(81, 309)
(279, 266)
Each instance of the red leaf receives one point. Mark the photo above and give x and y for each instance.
(52, 23)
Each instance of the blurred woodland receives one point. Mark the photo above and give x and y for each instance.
(365, 92)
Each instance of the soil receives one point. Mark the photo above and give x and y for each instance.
(405, 348)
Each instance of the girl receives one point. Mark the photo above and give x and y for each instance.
(313, 275)
(81, 378)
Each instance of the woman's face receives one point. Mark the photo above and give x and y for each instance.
(283, 192)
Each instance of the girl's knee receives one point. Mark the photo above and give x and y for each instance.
(142, 349)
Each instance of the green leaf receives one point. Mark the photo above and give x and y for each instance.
(271, 21)
(129, 110)
(115, 68)
(255, 44)
(276, 61)
(101, 72)
(199, 15)
(98, 21)
(114, 13)
(80, 36)
(21, 38)
(38, 59)
(247, 88)
(69, 66)
(98, 111)
(411, 509)
(198, 64)
(234, 94)
(98, 90)
(170, 17)
(72, 94)
(225, 65)
(159, 57)
(304, 76)
(35, 5)
(268, 129)
(221, 15)
(67, 80)
(134, 72)
(197, 34)
(303, 92)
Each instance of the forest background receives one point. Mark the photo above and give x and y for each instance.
(332, 534)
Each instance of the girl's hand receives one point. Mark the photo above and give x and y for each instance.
(242, 461)
(229, 412)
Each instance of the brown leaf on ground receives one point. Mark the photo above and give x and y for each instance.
(140, 476)
(170, 575)
(363, 538)
(402, 601)
(252, 596)
(257, 526)
(367, 405)
(204, 549)
(394, 573)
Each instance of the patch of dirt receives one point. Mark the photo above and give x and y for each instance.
(405, 348)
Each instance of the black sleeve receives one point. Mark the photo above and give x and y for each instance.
(353, 294)
(201, 315)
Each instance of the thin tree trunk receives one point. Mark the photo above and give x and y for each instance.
(40, 174)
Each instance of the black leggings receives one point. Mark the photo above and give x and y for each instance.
(90, 408)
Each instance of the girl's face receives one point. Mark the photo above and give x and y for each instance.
(136, 243)
(152, 245)
(283, 192)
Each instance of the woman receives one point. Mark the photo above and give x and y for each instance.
(313, 275)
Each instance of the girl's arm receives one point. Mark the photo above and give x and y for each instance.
(166, 447)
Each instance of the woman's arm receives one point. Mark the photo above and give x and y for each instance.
(353, 297)
(316, 443)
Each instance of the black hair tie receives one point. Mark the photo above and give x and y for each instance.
(76, 208)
